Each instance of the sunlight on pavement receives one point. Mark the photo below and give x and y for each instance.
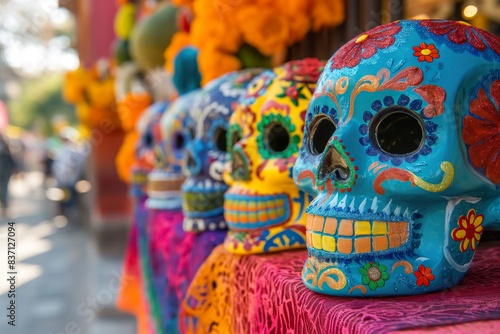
(25, 274)
(29, 243)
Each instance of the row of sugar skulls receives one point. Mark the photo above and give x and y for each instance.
(398, 114)
(401, 153)
(174, 242)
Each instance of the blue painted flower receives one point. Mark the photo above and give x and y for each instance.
(403, 101)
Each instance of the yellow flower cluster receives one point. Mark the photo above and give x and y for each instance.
(93, 94)
(221, 27)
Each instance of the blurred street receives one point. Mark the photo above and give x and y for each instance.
(64, 283)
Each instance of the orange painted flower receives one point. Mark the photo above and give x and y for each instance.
(424, 276)
(469, 230)
(426, 52)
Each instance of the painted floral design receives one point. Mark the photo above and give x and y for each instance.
(307, 70)
(293, 92)
(374, 275)
(462, 33)
(481, 132)
(424, 276)
(426, 52)
(469, 230)
(403, 101)
(257, 87)
(365, 46)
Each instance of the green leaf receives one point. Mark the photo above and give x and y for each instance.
(380, 283)
(382, 267)
(365, 280)
(385, 276)
(372, 285)
(363, 271)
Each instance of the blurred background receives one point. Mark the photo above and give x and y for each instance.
(59, 141)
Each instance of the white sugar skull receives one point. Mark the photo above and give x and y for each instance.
(165, 181)
(401, 149)
(203, 191)
(149, 132)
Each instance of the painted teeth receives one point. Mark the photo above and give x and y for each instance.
(348, 204)
(243, 212)
(350, 236)
(199, 225)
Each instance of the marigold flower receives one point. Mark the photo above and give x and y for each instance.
(179, 41)
(327, 13)
(263, 29)
(213, 63)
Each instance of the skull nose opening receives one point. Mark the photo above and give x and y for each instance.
(239, 168)
(334, 166)
(190, 163)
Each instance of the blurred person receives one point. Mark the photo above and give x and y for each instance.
(7, 168)
(67, 168)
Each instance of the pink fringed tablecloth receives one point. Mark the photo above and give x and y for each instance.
(264, 294)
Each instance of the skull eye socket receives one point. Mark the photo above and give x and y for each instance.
(277, 137)
(320, 131)
(219, 139)
(178, 141)
(397, 131)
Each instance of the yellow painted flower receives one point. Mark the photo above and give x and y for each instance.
(469, 230)
(264, 29)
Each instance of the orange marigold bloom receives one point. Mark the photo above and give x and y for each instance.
(426, 52)
(327, 13)
(299, 27)
(264, 29)
(131, 108)
(217, 33)
(469, 230)
(179, 41)
(213, 63)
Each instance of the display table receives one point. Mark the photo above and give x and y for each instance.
(264, 294)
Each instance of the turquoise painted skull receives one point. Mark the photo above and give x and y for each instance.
(401, 149)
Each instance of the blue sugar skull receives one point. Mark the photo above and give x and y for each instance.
(165, 181)
(401, 149)
(203, 191)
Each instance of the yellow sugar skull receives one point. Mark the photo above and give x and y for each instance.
(263, 208)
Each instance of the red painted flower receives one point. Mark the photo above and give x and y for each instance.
(424, 276)
(463, 33)
(481, 132)
(306, 70)
(469, 230)
(426, 52)
(365, 45)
